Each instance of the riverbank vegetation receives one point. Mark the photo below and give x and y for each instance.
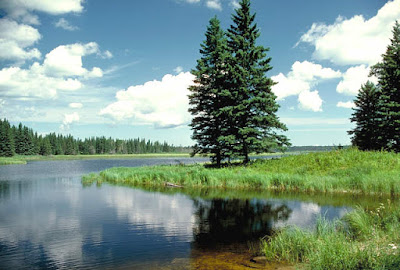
(24, 141)
(362, 239)
(23, 159)
(341, 171)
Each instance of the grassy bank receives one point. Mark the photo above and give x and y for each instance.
(21, 159)
(345, 171)
(11, 160)
(363, 239)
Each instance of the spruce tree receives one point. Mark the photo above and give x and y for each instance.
(388, 74)
(254, 125)
(206, 98)
(366, 134)
(6, 139)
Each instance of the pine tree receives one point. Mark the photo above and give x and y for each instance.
(388, 73)
(366, 134)
(206, 98)
(6, 139)
(254, 123)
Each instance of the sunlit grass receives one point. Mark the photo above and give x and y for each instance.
(363, 239)
(345, 171)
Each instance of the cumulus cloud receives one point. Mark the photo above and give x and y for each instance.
(66, 60)
(69, 119)
(15, 40)
(299, 82)
(356, 40)
(76, 105)
(22, 9)
(214, 4)
(161, 103)
(353, 78)
(64, 24)
(301, 78)
(310, 101)
(347, 105)
(62, 70)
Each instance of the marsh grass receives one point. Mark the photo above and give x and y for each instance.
(345, 171)
(11, 160)
(363, 239)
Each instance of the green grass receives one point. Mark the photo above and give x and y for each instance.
(363, 239)
(22, 159)
(11, 160)
(345, 171)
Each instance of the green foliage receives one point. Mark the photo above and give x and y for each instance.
(388, 73)
(350, 171)
(7, 148)
(207, 98)
(22, 140)
(254, 123)
(233, 106)
(363, 239)
(366, 134)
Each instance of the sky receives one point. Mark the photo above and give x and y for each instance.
(121, 68)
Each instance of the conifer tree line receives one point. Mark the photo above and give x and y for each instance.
(22, 140)
(233, 107)
(377, 107)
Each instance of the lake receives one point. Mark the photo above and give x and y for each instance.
(49, 220)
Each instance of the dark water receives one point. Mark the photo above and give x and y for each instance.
(48, 220)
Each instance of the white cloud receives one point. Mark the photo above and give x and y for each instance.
(62, 70)
(69, 119)
(353, 78)
(22, 9)
(310, 101)
(303, 76)
(356, 40)
(76, 105)
(64, 24)
(214, 4)
(162, 103)
(178, 69)
(347, 105)
(16, 82)
(15, 39)
(299, 82)
(66, 60)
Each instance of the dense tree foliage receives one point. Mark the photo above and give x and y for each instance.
(24, 141)
(234, 107)
(388, 73)
(366, 134)
(207, 98)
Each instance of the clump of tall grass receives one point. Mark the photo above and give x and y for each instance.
(345, 171)
(363, 239)
(11, 160)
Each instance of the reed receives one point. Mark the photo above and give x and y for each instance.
(363, 239)
(344, 171)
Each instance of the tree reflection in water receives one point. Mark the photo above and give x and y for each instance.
(234, 221)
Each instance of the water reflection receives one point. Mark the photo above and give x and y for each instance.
(50, 221)
(227, 221)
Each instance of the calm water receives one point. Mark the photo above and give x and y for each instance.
(48, 220)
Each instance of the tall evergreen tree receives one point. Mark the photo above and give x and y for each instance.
(206, 98)
(388, 73)
(254, 123)
(6, 139)
(366, 116)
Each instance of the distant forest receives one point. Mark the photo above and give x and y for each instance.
(22, 140)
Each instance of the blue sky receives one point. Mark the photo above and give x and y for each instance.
(121, 68)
